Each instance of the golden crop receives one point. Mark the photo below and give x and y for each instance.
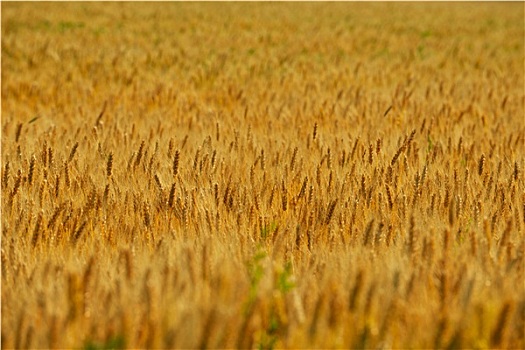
(263, 175)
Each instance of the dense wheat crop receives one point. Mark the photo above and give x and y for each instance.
(197, 175)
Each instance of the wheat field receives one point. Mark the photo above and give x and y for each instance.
(263, 175)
